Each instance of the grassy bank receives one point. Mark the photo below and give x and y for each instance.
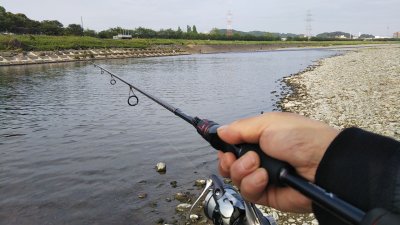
(49, 43)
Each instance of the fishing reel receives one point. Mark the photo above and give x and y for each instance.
(224, 206)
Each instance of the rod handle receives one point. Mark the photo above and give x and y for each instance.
(208, 130)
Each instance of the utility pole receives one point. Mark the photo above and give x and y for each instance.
(82, 25)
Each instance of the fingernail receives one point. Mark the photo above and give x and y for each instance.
(221, 128)
(247, 161)
(222, 162)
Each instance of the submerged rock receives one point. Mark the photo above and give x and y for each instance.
(174, 184)
(200, 183)
(142, 195)
(182, 197)
(183, 207)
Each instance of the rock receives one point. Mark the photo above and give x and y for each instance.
(289, 105)
(174, 184)
(275, 215)
(168, 199)
(160, 221)
(314, 222)
(182, 197)
(161, 167)
(142, 195)
(153, 204)
(194, 217)
(183, 207)
(200, 183)
(227, 181)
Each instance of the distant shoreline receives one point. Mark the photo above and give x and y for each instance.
(18, 58)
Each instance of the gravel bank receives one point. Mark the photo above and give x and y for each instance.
(359, 88)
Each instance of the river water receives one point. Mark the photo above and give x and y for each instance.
(73, 152)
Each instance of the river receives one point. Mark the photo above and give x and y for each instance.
(73, 152)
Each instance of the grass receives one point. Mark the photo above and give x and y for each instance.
(51, 43)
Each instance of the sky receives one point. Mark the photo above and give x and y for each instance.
(377, 17)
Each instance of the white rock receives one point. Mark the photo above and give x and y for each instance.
(161, 167)
(275, 215)
(183, 207)
(314, 222)
(194, 217)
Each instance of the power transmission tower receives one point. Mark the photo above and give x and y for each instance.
(229, 31)
(308, 24)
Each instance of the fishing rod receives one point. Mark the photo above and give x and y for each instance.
(280, 173)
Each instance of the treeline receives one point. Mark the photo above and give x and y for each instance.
(20, 24)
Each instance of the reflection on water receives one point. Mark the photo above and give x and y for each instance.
(73, 152)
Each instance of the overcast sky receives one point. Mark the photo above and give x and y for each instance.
(377, 17)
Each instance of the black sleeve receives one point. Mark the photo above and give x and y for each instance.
(363, 169)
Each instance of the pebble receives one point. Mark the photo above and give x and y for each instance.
(142, 195)
(314, 222)
(200, 183)
(182, 197)
(174, 184)
(183, 207)
(161, 167)
(194, 217)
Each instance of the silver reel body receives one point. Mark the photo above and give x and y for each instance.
(225, 206)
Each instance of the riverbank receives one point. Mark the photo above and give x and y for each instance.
(18, 57)
(359, 88)
(39, 49)
(13, 58)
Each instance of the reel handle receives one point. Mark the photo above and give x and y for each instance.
(208, 130)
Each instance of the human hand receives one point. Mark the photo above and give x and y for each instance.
(288, 137)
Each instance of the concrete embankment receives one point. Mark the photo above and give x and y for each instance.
(10, 58)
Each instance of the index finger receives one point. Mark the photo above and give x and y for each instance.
(247, 130)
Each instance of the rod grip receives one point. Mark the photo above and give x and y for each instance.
(273, 166)
(208, 130)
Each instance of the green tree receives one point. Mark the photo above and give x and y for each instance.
(194, 29)
(74, 29)
(17, 23)
(107, 33)
(4, 21)
(144, 33)
(51, 27)
(188, 29)
(179, 33)
(90, 33)
(168, 33)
